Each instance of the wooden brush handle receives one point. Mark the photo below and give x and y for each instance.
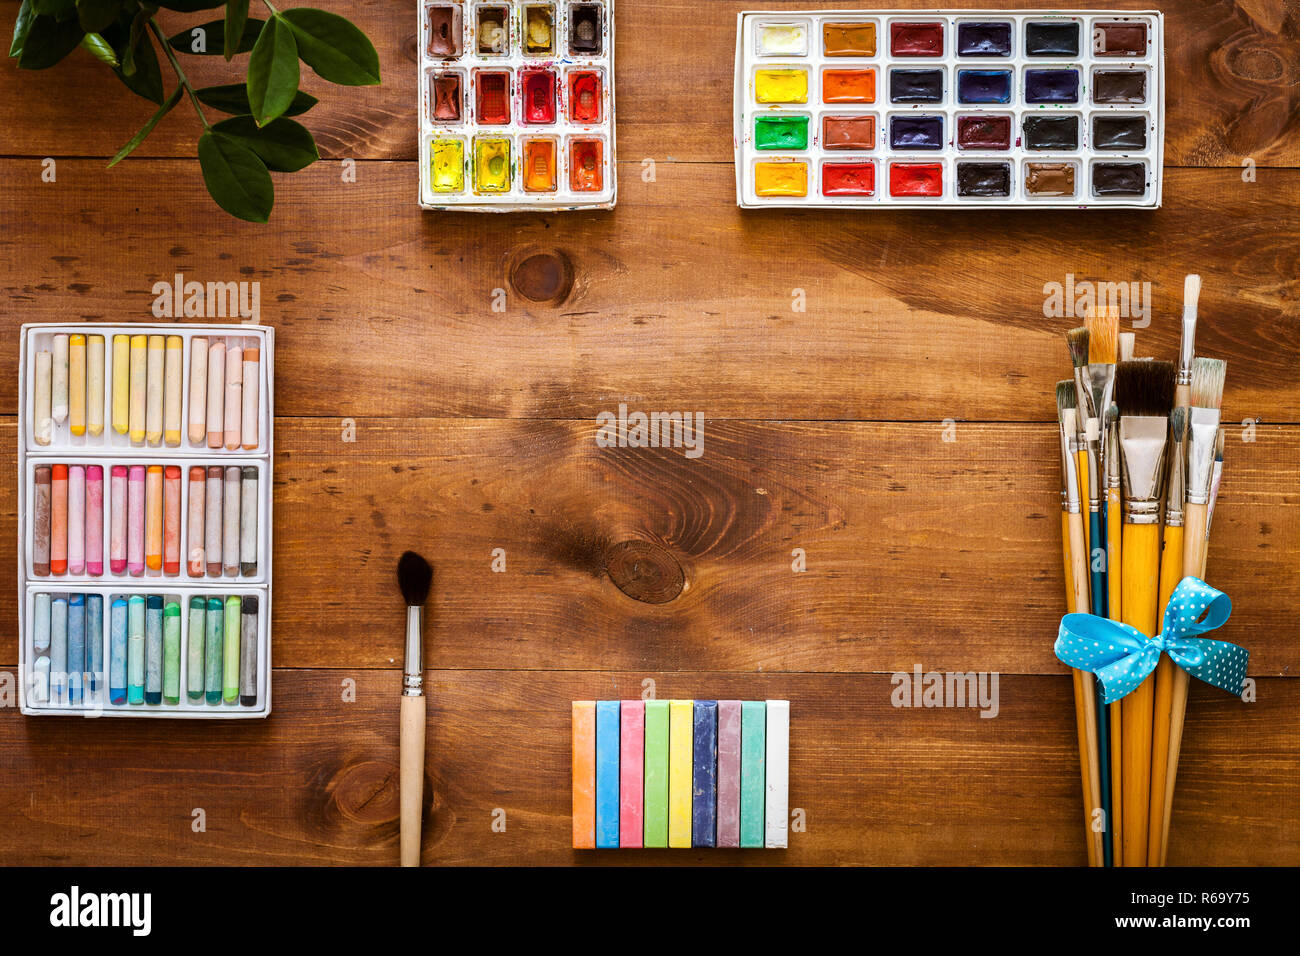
(411, 784)
(1179, 711)
(1171, 572)
(1194, 538)
(1140, 594)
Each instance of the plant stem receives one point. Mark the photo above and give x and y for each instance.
(180, 74)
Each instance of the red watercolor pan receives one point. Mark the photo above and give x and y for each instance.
(538, 96)
(916, 179)
(916, 39)
(584, 96)
(849, 179)
(493, 105)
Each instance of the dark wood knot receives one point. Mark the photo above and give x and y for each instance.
(542, 276)
(645, 571)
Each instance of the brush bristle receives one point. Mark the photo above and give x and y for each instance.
(1103, 336)
(414, 576)
(1207, 382)
(1191, 292)
(1066, 397)
(1178, 423)
(1077, 339)
(1144, 388)
(1127, 343)
(1218, 445)
(1112, 415)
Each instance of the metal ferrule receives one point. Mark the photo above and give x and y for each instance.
(1187, 350)
(1101, 385)
(1215, 476)
(413, 681)
(1083, 392)
(1202, 436)
(1094, 466)
(1143, 440)
(1177, 487)
(1111, 460)
(1070, 473)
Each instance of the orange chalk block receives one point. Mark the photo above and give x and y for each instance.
(584, 774)
(153, 517)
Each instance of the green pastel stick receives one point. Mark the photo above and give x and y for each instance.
(212, 652)
(194, 654)
(753, 776)
(656, 773)
(230, 677)
(172, 652)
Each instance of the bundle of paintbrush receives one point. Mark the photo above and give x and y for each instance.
(1141, 454)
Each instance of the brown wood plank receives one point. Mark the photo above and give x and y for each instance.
(316, 782)
(385, 311)
(918, 550)
(1230, 76)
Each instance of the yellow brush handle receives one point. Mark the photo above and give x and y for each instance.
(1069, 574)
(1082, 458)
(1114, 568)
(1114, 565)
(411, 779)
(1171, 568)
(1140, 593)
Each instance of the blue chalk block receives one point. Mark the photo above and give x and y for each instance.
(117, 652)
(607, 773)
(94, 641)
(704, 792)
(76, 646)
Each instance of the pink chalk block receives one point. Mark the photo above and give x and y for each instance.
(95, 520)
(729, 772)
(631, 772)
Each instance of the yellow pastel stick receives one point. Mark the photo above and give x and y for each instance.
(139, 385)
(77, 384)
(172, 391)
(680, 762)
(95, 384)
(153, 415)
(121, 383)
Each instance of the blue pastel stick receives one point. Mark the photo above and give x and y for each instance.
(41, 647)
(94, 641)
(135, 649)
(153, 641)
(704, 792)
(76, 646)
(117, 651)
(607, 773)
(58, 649)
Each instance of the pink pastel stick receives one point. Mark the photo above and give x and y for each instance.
(729, 772)
(135, 520)
(95, 520)
(631, 770)
(117, 527)
(76, 519)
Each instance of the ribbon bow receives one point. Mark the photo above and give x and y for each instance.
(1123, 657)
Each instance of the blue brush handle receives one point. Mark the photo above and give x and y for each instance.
(1103, 715)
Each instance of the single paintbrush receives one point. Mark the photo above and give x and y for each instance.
(1187, 346)
(414, 576)
(1171, 572)
(1077, 340)
(1114, 571)
(1084, 701)
(1144, 392)
(1216, 476)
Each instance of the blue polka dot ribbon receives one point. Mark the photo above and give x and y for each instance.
(1123, 657)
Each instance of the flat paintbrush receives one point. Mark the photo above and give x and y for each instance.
(414, 576)
(1144, 392)
(1187, 345)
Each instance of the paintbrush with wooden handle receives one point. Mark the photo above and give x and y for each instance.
(414, 576)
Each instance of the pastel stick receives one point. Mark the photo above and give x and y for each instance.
(607, 741)
(656, 773)
(135, 649)
(94, 641)
(680, 759)
(40, 685)
(753, 752)
(728, 773)
(778, 774)
(117, 652)
(76, 646)
(230, 669)
(153, 649)
(42, 509)
(171, 626)
(248, 652)
(704, 793)
(248, 521)
(58, 648)
(631, 776)
(197, 628)
(584, 774)
(212, 647)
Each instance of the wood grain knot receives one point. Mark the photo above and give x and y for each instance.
(645, 571)
(543, 276)
(366, 792)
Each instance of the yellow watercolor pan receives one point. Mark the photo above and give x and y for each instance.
(781, 179)
(447, 166)
(781, 86)
(491, 164)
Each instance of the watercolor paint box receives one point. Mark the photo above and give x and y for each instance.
(969, 108)
(102, 517)
(517, 105)
(681, 773)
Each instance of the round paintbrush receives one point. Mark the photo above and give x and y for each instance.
(414, 577)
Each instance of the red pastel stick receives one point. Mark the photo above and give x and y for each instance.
(117, 522)
(172, 519)
(197, 562)
(631, 772)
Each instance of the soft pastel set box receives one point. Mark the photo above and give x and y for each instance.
(144, 532)
(949, 108)
(681, 773)
(517, 105)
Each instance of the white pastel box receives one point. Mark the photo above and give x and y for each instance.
(919, 154)
(112, 449)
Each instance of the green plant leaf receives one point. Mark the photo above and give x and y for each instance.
(99, 48)
(147, 128)
(285, 146)
(59, 9)
(236, 20)
(333, 47)
(214, 38)
(146, 80)
(236, 178)
(48, 41)
(188, 6)
(95, 15)
(233, 98)
(21, 26)
(272, 72)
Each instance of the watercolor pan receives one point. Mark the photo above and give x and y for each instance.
(680, 774)
(513, 93)
(914, 108)
(155, 557)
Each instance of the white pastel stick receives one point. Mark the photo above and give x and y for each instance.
(777, 814)
(216, 393)
(42, 421)
(230, 522)
(249, 424)
(95, 384)
(153, 401)
(234, 393)
(198, 390)
(59, 394)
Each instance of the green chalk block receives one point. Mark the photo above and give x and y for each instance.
(753, 776)
(656, 773)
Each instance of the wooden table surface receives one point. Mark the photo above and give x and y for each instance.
(474, 431)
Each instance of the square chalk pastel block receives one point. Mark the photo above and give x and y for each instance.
(778, 775)
(584, 774)
(607, 784)
(704, 791)
(631, 792)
